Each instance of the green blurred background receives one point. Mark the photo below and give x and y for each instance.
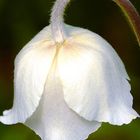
(20, 20)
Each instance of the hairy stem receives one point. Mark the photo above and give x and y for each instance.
(132, 15)
(57, 21)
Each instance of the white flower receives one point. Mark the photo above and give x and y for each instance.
(67, 81)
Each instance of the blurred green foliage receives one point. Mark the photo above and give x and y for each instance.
(21, 20)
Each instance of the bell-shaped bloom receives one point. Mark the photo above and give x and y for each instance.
(63, 91)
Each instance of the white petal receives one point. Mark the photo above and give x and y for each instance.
(94, 79)
(31, 69)
(54, 120)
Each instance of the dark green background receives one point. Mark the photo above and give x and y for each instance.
(20, 20)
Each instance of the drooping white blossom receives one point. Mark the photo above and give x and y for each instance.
(67, 81)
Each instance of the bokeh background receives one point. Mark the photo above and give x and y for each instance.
(20, 20)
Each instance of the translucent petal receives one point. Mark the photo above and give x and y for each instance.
(94, 79)
(31, 69)
(54, 120)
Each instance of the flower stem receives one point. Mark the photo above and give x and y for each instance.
(132, 15)
(57, 21)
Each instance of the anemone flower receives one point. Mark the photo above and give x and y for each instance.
(67, 81)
